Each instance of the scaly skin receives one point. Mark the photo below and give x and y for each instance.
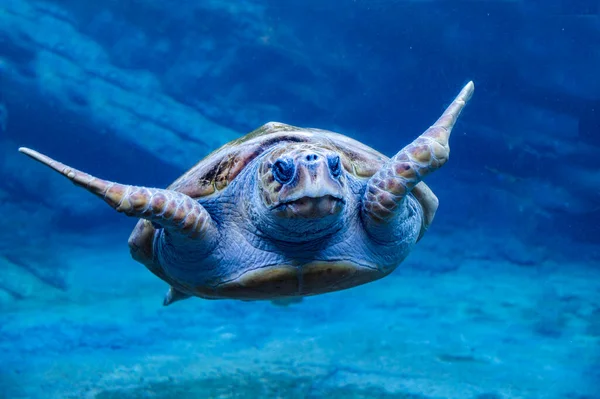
(252, 238)
(172, 210)
(387, 189)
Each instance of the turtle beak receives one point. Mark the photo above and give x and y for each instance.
(315, 190)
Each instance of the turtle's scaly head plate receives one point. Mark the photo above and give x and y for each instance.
(302, 181)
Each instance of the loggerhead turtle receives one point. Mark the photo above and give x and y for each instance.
(282, 213)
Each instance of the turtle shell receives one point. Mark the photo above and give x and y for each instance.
(213, 173)
(219, 168)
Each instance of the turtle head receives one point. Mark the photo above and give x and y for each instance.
(302, 187)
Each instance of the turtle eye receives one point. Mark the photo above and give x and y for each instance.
(283, 170)
(334, 165)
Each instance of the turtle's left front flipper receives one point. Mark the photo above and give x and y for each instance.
(388, 188)
(176, 212)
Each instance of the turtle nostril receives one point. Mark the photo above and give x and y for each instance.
(312, 157)
(283, 170)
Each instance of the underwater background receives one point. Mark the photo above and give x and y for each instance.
(501, 298)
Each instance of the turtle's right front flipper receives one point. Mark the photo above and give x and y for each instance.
(176, 212)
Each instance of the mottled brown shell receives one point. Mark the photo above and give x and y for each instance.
(213, 173)
(219, 168)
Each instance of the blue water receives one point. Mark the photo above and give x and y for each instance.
(501, 298)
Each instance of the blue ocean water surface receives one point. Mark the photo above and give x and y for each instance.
(499, 300)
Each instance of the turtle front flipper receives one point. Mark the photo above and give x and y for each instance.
(387, 189)
(176, 212)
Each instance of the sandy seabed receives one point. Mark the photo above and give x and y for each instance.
(476, 327)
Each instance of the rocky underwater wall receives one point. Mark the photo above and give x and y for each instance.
(139, 91)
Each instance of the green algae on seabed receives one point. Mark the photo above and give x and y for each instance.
(249, 386)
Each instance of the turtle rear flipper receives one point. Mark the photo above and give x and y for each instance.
(287, 301)
(174, 295)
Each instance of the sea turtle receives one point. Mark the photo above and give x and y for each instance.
(282, 213)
